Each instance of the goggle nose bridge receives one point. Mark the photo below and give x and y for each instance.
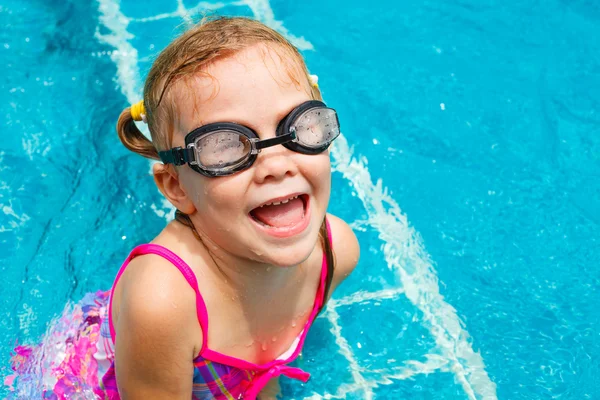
(258, 145)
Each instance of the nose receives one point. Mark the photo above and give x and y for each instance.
(274, 164)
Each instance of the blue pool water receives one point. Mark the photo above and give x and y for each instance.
(469, 168)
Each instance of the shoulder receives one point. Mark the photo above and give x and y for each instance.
(157, 333)
(345, 248)
(156, 307)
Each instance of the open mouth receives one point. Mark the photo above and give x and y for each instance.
(283, 213)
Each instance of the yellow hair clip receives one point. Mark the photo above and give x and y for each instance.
(314, 81)
(138, 112)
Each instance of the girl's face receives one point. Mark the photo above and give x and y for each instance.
(253, 88)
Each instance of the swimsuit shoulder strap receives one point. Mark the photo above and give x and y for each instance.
(185, 270)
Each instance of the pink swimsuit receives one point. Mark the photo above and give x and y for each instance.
(76, 357)
(216, 375)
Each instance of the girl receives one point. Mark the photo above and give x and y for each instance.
(220, 302)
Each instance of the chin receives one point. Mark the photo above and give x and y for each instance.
(287, 261)
(289, 255)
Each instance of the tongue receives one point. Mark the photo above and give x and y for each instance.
(288, 214)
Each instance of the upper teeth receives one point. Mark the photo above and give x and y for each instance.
(276, 203)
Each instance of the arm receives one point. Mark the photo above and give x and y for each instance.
(157, 332)
(345, 248)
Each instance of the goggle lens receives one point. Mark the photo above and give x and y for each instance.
(317, 127)
(223, 149)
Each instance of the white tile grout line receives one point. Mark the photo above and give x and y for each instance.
(125, 56)
(183, 12)
(363, 296)
(263, 12)
(402, 244)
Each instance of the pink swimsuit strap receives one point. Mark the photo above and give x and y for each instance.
(202, 313)
(185, 270)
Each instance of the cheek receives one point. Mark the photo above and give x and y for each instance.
(318, 169)
(223, 195)
(209, 195)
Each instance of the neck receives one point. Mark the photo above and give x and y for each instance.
(246, 278)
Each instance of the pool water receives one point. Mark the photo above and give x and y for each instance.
(469, 168)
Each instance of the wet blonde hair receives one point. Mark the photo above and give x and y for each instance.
(187, 56)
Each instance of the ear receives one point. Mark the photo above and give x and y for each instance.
(170, 186)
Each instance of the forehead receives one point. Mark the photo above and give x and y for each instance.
(252, 87)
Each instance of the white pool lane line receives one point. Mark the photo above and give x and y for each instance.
(403, 249)
(405, 254)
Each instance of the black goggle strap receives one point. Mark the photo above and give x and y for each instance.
(177, 156)
(263, 144)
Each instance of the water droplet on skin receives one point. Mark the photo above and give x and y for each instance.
(274, 339)
(264, 346)
(294, 324)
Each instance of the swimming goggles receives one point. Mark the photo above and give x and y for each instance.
(224, 148)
